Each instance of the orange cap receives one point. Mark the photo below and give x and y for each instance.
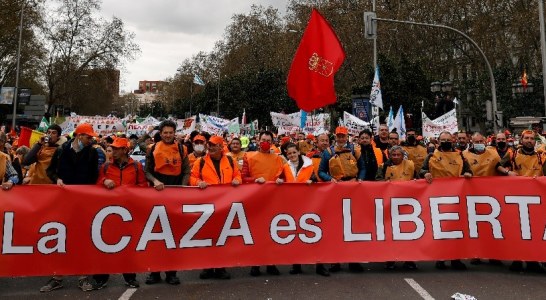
(200, 138)
(285, 140)
(342, 130)
(85, 128)
(310, 136)
(120, 143)
(217, 140)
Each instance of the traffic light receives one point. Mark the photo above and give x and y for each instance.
(370, 25)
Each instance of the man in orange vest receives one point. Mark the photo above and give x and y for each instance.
(526, 162)
(396, 168)
(41, 154)
(344, 151)
(446, 162)
(381, 141)
(261, 167)
(167, 164)
(483, 161)
(123, 170)
(215, 168)
(198, 149)
(236, 152)
(415, 150)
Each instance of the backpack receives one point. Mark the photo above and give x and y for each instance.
(342, 164)
(202, 164)
(135, 164)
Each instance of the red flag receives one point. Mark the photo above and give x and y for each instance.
(524, 79)
(319, 56)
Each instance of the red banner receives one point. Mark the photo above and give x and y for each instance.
(89, 230)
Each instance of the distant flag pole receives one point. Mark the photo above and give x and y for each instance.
(243, 119)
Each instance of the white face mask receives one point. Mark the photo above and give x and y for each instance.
(199, 148)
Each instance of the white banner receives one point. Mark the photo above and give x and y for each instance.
(446, 122)
(213, 125)
(287, 124)
(233, 126)
(136, 129)
(354, 124)
(150, 121)
(186, 126)
(101, 125)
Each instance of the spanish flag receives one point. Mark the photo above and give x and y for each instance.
(524, 79)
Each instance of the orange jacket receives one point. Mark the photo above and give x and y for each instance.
(258, 164)
(303, 174)
(128, 175)
(209, 175)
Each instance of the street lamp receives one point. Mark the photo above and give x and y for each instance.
(441, 90)
(14, 116)
(518, 90)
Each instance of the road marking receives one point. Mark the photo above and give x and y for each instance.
(128, 293)
(419, 289)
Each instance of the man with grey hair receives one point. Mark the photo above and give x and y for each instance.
(396, 168)
(483, 161)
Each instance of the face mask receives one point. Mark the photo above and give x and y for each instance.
(80, 144)
(479, 147)
(510, 144)
(411, 139)
(501, 145)
(430, 149)
(265, 146)
(199, 148)
(446, 146)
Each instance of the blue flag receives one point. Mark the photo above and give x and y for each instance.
(197, 80)
(303, 118)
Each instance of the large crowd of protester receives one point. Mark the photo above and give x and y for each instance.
(201, 159)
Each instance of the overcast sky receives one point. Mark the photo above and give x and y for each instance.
(169, 31)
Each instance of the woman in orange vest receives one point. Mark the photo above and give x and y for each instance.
(299, 168)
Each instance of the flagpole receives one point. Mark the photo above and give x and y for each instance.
(542, 48)
(374, 43)
(218, 99)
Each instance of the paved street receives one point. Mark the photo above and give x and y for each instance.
(483, 282)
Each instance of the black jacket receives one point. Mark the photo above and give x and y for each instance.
(74, 167)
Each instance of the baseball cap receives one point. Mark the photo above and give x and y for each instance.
(120, 143)
(217, 140)
(200, 138)
(85, 128)
(310, 136)
(342, 130)
(285, 140)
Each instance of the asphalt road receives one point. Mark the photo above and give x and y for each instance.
(483, 282)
